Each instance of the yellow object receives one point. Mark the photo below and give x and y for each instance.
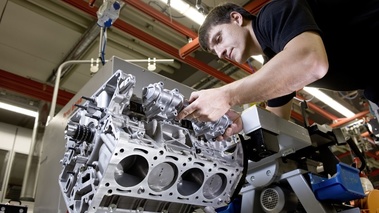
(369, 203)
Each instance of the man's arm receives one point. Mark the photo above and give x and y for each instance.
(302, 62)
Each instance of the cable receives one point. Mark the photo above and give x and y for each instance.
(349, 96)
(164, 9)
(103, 42)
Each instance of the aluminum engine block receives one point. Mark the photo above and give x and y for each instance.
(128, 154)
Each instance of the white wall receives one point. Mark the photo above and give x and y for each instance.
(15, 137)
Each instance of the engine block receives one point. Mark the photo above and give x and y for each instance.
(129, 154)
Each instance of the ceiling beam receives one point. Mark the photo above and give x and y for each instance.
(145, 8)
(141, 35)
(253, 7)
(189, 33)
(343, 121)
(32, 88)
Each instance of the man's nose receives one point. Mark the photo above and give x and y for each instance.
(219, 51)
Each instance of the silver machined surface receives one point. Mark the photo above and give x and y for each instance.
(124, 156)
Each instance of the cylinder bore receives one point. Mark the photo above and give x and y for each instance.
(131, 170)
(163, 176)
(190, 181)
(214, 186)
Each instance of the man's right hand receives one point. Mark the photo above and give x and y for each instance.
(234, 128)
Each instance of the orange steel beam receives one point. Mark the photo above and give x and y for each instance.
(32, 88)
(340, 121)
(346, 120)
(147, 9)
(130, 29)
(173, 51)
(300, 118)
(319, 110)
(244, 66)
(368, 137)
(252, 7)
(143, 7)
(189, 48)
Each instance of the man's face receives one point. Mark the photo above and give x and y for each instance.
(229, 41)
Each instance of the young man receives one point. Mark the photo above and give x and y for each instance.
(331, 44)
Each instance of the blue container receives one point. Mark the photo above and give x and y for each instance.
(233, 207)
(344, 186)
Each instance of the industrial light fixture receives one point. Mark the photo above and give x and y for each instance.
(187, 10)
(329, 101)
(258, 58)
(17, 109)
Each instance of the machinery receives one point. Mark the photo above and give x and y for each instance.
(126, 152)
(291, 168)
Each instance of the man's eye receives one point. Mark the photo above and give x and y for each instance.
(218, 39)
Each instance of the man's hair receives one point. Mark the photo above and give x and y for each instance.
(219, 15)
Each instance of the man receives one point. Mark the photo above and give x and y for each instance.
(331, 44)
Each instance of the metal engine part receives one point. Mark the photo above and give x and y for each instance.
(128, 154)
(163, 104)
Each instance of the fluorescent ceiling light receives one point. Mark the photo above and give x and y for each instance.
(185, 9)
(18, 109)
(329, 101)
(258, 58)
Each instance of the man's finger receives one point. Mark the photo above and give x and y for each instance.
(185, 112)
(193, 97)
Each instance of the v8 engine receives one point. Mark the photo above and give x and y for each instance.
(128, 153)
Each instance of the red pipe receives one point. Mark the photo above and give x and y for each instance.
(189, 47)
(194, 45)
(371, 155)
(147, 9)
(374, 173)
(254, 6)
(368, 137)
(319, 110)
(130, 29)
(245, 67)
(346, 120)
(32, 88)
(173, 51)
(91, 3)
(300, 118)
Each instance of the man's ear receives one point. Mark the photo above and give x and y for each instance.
(236, 18)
